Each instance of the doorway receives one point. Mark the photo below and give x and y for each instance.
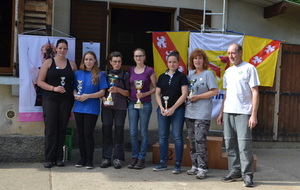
(130, 28)
(6, 45)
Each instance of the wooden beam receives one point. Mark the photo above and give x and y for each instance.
(275, 10)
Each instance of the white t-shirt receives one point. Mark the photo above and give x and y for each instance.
(238, 81)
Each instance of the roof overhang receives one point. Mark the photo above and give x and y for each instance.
(274, 8)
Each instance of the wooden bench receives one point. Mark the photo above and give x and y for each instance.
(217, 159)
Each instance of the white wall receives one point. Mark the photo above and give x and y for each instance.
(247, 18)
(13, 126)
(61, 17)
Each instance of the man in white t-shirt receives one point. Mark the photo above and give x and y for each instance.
(239, 114)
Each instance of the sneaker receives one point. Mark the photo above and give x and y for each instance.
(177, 169)
(248, 181)
(89, 165)
(140, 164)
(105, 163)
(132, 163)
(201, 174)
(192, 171)
(232, 176)
(80, 163)
(161, 166)
(48, 164)
(60, 163)
(117, 164)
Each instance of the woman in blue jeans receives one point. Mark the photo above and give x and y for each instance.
(171, 92)
(140, 113)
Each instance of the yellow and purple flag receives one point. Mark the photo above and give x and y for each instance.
(163, 44)
(263, 54)
(215, 46)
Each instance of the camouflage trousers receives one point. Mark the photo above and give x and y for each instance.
(197, 131)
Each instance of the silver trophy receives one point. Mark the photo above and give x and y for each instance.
(109, 100)
(191, 87)
(166, 98)
(62, 82)
(79, 87)
(138, 85)
(65, 153)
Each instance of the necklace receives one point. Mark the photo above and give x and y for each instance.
(60, 64)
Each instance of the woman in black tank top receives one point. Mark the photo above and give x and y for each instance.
(56, 78)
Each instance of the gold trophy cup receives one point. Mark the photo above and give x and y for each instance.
(191, 87)
(138, 85)
(111, 77)
(166, 98)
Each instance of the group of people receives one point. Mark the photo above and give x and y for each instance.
(180, 98)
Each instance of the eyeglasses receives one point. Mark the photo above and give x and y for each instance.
(139, 56)
(117, 61)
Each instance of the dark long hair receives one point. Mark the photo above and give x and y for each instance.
(61, 41)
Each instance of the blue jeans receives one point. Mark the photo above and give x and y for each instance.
(176, 121)
(136, 115)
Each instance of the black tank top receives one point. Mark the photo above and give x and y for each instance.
(61, 77)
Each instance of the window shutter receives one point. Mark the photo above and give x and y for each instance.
(35, 14)
(88, 24)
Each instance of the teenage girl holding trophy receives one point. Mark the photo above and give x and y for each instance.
(90, 85)
(114, 113)
(140, 106)
(171, 92)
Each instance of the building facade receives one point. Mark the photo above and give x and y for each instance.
(123, 25)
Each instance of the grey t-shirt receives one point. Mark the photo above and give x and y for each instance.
(201, 109)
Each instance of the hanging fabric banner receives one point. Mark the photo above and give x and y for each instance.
(263, 54)
(215, 46)
(33, 51)
(163, 44)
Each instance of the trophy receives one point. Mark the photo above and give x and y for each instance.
(191, 87)
(62, 82)
(111, 77)
(138, 85)
(79, 87)
(166, 98)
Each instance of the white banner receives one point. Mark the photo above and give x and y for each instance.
(215, 47)
(92, 46)
(33, 50)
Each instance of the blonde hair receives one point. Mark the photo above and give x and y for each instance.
(95, 70)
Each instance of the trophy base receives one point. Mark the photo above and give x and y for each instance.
(138, 106)
(109, 103)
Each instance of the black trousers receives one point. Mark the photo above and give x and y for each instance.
(110, 117)
(85, 130)
(56, 111)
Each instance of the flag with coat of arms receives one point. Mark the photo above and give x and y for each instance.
(215, 46)
(163, 44)
(263, 54)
